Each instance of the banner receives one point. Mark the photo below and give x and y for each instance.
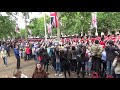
(94, 19)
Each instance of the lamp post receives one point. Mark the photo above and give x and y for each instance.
(95, 14)
(58, 28)
(45, 27)
(25, 27)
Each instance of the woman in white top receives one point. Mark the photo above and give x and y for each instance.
(4, 56)
(18, 74)
(116, 66)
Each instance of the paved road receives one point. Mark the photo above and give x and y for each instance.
(27, 68)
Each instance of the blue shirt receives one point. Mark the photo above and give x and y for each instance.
(16, 52)
(49, 51)
(103, 56)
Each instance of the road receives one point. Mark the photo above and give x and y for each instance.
(27, 68)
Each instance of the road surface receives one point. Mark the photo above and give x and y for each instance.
(27, 68)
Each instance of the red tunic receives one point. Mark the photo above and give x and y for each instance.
(102, 43)
(93, 39)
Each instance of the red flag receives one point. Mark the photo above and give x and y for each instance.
(54, 19)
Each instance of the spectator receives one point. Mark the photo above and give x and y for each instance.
(16, 52)
(110, 56)
(116, 66)
(96, 51)
(39, 72)
(65, 63)
(58, 62)
(4, 56)
(18, 74)
(28, 53)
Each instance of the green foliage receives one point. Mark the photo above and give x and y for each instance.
(6, 26)
(37, 26)
(72, 23)
(22, 33)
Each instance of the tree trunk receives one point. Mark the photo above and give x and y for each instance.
(25, 27)
(45, 27)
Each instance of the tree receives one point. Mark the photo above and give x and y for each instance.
(75, 22)
(72, 22)
(37, 26)
(7, 26)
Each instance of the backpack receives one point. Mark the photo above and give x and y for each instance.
(97, 52)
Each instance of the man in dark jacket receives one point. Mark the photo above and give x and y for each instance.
(74, 59)
(81, 61)
(110, 56)
(65, 63)
(8, 49)
(16, 52)
(46, 59)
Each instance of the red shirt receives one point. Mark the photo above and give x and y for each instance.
(68, 39)
(62, 40)
(98, 38)
(27, 50)
(102, 43)
(93, 39)
(82, 40)
(76, 39)
(87, 40)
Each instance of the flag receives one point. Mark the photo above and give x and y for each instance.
(54, 19)
(49, 28)
(94, 19)
(17, 29)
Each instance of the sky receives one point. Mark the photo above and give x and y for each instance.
(21, 22)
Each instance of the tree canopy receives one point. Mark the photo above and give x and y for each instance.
(70, 23)
(7, 27)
